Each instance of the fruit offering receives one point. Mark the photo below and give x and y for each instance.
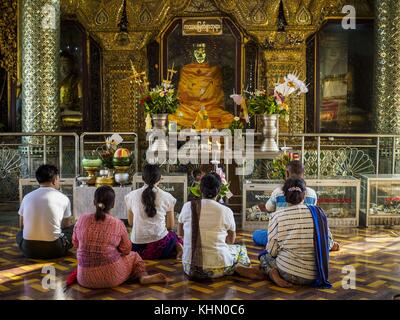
(122, 157)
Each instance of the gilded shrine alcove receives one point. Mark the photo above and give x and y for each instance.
(340, 72)
(80, 79)
(208, 66)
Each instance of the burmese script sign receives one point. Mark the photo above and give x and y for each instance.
(201, 26)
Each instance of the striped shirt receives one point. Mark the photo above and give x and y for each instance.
(277, 201)
(291, 241)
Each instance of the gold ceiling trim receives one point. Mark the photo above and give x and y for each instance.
(256, 17)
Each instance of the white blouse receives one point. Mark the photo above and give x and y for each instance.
(215, 222)
(144, 228)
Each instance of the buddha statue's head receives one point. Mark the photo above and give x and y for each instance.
(66, 64)
(335, 48)
(199, 52)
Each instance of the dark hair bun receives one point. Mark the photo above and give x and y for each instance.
(210, 185)
(294, 190)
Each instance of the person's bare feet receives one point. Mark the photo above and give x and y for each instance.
(335, 247)
(179, 251)
(154, 278)
(249, 272)
(276, 278)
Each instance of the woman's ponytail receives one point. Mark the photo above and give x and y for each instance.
(100, 214)
(104, 198)
(148, 200)
(151, 175)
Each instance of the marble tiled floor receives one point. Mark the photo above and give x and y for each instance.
(374, 253)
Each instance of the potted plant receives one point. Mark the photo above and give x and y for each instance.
(159, 102)
(106, 151)
(279, 165)
(273, 106)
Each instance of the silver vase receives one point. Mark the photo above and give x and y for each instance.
(270, 133)
(160, 121)
(160, 125)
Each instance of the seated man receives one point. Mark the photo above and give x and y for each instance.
(277, 201)
(45, 218)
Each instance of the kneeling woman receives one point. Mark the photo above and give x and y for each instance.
(151, 215)
(104, 253)
(208, 230)
(298, 242)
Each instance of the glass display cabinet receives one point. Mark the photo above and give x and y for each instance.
(255, 195)
(380, 200)
(339, 197)
(174, 183)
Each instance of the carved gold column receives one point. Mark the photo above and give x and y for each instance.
(30, 27)
(40, 53)
(387, 68)
(49, 55)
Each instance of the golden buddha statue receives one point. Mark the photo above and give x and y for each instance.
(70, 93)
(200, 95)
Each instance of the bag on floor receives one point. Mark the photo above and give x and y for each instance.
(260, 237)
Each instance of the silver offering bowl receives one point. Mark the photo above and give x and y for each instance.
(83, 180)
(104, 172)
(122, 178)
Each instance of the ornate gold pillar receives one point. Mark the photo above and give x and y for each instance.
(30, 31)
(40, 25)
(50, 55)
(387, 66)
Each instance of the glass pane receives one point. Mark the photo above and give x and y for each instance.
(384, 198)
(71, 77)
(337, 202)
(255, 199)
(345, 78)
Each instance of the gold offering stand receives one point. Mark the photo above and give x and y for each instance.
(105, 181)
(91, 174)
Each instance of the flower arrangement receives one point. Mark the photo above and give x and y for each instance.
(280, 163)
(106, 152)
(260, 102)
(236, 123)
(223, 192)
(159, 100)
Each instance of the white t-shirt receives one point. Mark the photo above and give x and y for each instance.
(215, 221)
(146, 229)
(43, 211)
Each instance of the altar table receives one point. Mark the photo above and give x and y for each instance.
(84, 196)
